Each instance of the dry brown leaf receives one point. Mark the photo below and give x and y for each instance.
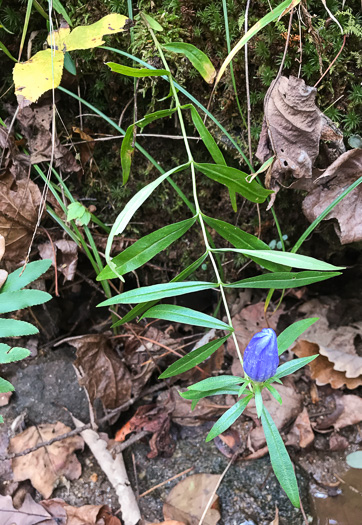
(104, 374)
(180, 408)
(352, 412)
(301, 434)
(276, 519)
(66, 254)
(35, 124)
(187, 501)
(337, 177)
(30, 513)
(292, 129)
(45, 466)
(282, 414)
(85, 515)
(18, 217)
(12, 160)
(168, 522)
(337, 442)
(55, 507)
(246, 323)
(5, 398)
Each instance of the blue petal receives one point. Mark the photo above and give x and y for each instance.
(261, 358)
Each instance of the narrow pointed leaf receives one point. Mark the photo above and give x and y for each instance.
(12, 301)
(10, 355)
(283, 280)
(143, 307)
(240, 239)
(152, 22)
(180, 314)
(158, 291)
(292, 366)
(228, 418)
(258, 401)
(211, 383)
(235, 180)
(292, 332)
(293, 260)
(280, 459)
(13, 328)
(135, 71)
(198, 59)
(207, 138)
(274, 392)
(127, 152)
(194, 358)
(151, 117)
(194, 394)
(22, 277)
(145, 249)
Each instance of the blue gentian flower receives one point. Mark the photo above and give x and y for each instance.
(261, 358)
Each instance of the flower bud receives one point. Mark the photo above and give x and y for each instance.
(261, 358)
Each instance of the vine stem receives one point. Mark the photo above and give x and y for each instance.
(194, 190)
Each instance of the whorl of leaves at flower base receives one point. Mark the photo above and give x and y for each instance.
(261, 356)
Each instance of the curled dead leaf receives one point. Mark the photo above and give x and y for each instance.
(30, 513)
(66, 254)
(301, 433)
(47, 465)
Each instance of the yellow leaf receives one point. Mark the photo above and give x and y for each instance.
(86, 37)
(56, 39)
(36, 76)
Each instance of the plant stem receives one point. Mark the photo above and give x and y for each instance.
(194, 190)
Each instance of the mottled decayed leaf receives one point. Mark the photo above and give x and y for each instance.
(104, 374)
(292, 129)
(44, 70)
(66, 255)
(18, 217)
(45, 466)
(30, 513)
(187, 501)
(336, 178)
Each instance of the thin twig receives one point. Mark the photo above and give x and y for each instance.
(333, 61)
(120, 447)
(166, 481)
(247, 85)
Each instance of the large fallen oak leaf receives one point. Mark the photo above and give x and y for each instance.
(104, 374)
(188, 499)
(47, 465)
(336, 178)
(30, 513)
(292, 129)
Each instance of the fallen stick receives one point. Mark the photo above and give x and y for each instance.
(116, 473)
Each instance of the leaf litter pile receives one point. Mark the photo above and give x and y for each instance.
(115, 444)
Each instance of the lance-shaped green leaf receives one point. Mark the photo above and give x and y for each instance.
(292, 366)
(152, 22)
(241, 239)
(10, 355)
(158, 291)
(127, 152)
(135, 71)
(198, 59)
(212, 383)
(274, 392)
(143, 307)
(151, 117)
(13, 328)
(293, 260)
(24, 276)
(227, 419)
(194, 358)
(180, 314)
(196, 395)
(145, 249)
(132, 206)
(5, 386)
(20, 299)
(292, 332)
(207, 138)
(283, 280)
(235, 180)
(280, 460)
(258, 400)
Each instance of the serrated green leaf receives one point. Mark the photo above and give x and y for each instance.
(274, 392)
(18, 279)
(212, 383)
(283, 280)
(10, 355)
(13, 328)
(136, 72)
(143, 307)
(280, 459)
(292, 332)
(235, 180)
(180, 314)
(207, 138)
(293, 260)
(198, 59)
(240, 239)
(146, 248)
(227, 419)
(12, 301)
(292, 366)
(194, 358)
(5, 386)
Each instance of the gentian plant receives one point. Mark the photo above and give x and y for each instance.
(262, 354)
